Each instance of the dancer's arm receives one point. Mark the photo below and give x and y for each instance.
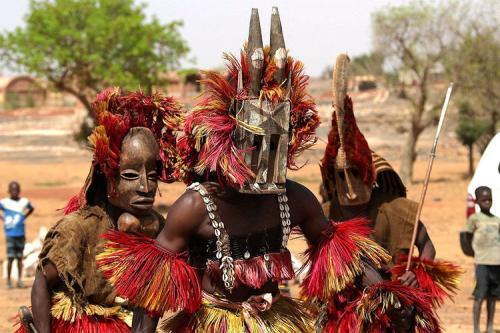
(183, 220)
(426, 250)
(318, 230)
(40, 296)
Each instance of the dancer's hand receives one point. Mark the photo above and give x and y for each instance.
(409, 279)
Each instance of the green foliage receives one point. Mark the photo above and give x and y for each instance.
(367, 64)
(469, 128)
(415, 36)
(83, 46)
(475, 66)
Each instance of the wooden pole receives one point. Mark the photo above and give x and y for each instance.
(428, 174)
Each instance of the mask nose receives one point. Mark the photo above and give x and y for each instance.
(351, 194)
(143, 183)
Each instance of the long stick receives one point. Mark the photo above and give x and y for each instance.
(428, 174)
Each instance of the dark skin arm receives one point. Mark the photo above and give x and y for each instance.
(424, 243)
(426, 250)
(182, 223)
(313, 222)
(40, 296)
(29, 211)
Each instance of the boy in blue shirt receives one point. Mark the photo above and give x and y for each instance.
(15, 211)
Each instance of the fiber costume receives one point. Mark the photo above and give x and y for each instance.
(355, 176)
(248, 127)
(83, 301)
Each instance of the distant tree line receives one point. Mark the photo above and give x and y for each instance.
(83, 46)
(460, 40)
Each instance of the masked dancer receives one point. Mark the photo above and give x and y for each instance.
(359, 183)
(133, 147)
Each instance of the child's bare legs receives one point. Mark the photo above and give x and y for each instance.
(476, 310)
(20, 273)
(490, 307)
(9, 271)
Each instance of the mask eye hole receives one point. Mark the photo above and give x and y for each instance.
(257, 143)
(129, 175)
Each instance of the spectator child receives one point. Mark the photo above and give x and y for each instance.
(15, 211)
(485, 228)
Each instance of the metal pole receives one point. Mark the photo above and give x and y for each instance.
(428, 174)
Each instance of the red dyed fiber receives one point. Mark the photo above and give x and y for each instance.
(209, 147)
(87, 324)
(116, 114)
(438, 278)
(149, 276)
(365, 310)
(255, 272)
(336, 256)
(356, 148)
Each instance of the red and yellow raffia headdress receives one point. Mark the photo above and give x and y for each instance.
(116, 113)
(209, 146)
(357, 151)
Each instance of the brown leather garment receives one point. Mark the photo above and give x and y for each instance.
(71, 245)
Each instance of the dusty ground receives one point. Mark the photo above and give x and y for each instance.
(48, 181)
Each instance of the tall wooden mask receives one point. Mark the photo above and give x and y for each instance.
(267, 147)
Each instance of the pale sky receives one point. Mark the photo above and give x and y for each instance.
(315, 31)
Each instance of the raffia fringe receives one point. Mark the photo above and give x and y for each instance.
(373, 306)
(438, 278)
(91, 318)
(257, 271)
(339, 258)
(148, 275)
(285, 316)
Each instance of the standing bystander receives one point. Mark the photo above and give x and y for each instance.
(485, 228)
(15, 211)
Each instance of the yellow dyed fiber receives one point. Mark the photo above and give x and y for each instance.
(64, 309)
(367, 249)
(285, 316)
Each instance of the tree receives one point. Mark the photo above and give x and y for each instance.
(474, 62)
(84, 46)
(364, 64)
(469, 129)
(414, 39)
(367, 64)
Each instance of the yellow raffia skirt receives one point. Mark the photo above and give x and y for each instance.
(219, 315)
(92, 318)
